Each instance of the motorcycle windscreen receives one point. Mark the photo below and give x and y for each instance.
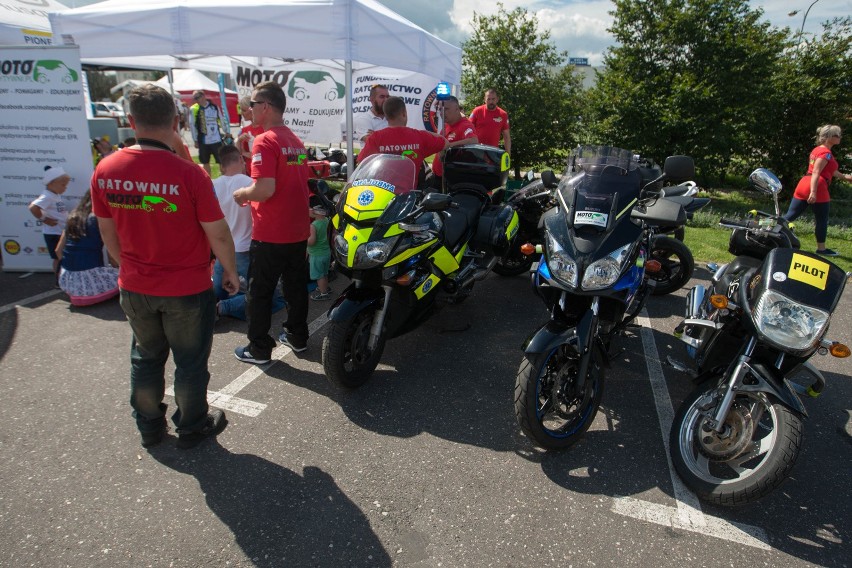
(802, 277)
(390, 172)
(599, 199)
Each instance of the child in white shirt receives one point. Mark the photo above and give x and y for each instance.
(50, 209)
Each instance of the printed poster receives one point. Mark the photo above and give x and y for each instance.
(42, 122)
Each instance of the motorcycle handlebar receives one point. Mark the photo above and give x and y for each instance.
(736, 223)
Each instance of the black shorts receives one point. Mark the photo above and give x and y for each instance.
(51, 241)
(207, 150)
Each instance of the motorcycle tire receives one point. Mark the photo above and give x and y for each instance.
(536, 376)
(775, 443)
(679, 233)
(514, 264)
(676, 265)
(346, 359)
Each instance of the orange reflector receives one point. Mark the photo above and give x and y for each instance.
(653, 266)
(719, 301)
(405, 279)
(839, 350)
(527, 248)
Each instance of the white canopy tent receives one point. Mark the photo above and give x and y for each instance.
(207, 34)
(24, 22)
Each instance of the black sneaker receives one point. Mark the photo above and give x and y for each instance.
(243, 354)
(827, 252)
(214, 424)
(151, 439)
(286, 338)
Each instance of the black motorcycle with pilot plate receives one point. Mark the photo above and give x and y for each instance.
(409, 253)
(751, 334)
(593, 279)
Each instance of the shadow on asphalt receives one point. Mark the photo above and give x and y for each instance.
(278, 517)
(8, 327)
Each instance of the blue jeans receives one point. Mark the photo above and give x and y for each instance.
(235, 306)
(798, 206)
(184, 325)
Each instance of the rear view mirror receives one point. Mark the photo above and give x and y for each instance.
(679, 168)
(548, 178)
(436, 202)
(765, 181)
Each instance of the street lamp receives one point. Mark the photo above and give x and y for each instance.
(804, 19)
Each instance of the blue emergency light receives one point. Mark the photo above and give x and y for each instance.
(443, 91)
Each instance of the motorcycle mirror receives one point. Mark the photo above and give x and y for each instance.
(436, 202)
(765, 181)
(679, 168)
(549, 180)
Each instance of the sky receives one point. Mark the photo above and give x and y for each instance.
(576, 26)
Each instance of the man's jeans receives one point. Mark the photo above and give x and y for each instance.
(269, 261)
(183, 324)
(235, 306)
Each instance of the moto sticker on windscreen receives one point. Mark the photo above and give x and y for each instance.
(808, 270)
(591, 218)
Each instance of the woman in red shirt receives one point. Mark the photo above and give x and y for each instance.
(813, 187)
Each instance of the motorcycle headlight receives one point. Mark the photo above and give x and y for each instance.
(562, 267)
(604, 273)
(341, 247)
(789, 324)
(373, 253)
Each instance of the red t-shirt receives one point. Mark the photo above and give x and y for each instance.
(489, 124)
(284, 217)
(414, 144)
(157, 201)
(254, 130)
(803, 190)
(452, 132)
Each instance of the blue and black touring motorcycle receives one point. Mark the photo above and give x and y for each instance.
(593, 278)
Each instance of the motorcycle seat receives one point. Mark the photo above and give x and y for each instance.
(689, 204)
(677, 190)
(459, 221)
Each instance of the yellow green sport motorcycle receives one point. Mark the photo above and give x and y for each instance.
(409, 253)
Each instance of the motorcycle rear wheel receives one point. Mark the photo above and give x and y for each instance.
(346, 358)
(677, 265)
(549, 411)
(765, 457)
(513, 264)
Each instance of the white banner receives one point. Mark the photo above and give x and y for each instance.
(316, 95)
(42, 122)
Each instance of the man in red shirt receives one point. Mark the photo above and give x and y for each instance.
(158, 214)
(458, 131)
(281, 227)
(491, 121)
(399, 139)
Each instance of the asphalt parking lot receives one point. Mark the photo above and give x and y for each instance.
(423, 466)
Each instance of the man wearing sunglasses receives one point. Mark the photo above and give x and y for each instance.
(281, 226)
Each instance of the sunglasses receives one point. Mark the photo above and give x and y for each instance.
(252, 103)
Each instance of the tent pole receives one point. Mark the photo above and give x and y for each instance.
(350, 147)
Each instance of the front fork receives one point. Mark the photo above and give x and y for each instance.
(732, 386)
(586, 331)
(379, 320)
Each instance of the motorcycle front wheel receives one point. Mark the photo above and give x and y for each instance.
(513, 264)
(676, 265)
(347, 360)
(549, 407)
(750, 459)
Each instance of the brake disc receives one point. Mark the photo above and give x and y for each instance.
(733, 441)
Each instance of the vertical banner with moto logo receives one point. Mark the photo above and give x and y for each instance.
(42, 123)
(316, 95)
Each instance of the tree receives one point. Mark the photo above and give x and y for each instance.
(811, 88)
(99, 85)
(687, 77)
(508, 53)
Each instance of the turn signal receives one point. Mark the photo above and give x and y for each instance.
(653, 266)
(527, 248)
(839, 350)
(719, 301)
(405, 279)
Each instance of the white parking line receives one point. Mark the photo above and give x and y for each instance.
(30, 300)
(226, 398)
(688, 514)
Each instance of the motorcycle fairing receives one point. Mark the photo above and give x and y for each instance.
(802, 277)
(366, 202)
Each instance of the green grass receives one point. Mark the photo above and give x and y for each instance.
(709, 242)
